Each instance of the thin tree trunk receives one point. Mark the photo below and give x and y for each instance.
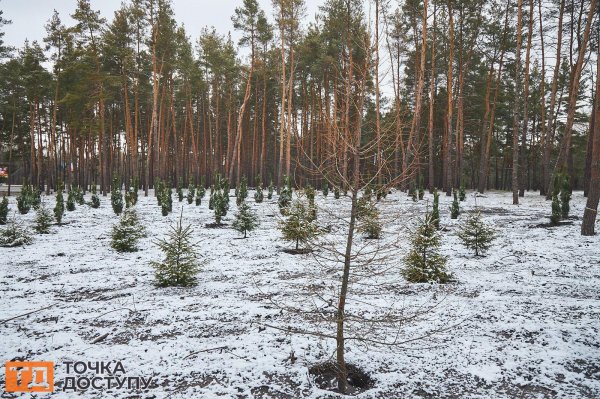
(550, 129)
(591, 207)
(432, 89)
(517, 107)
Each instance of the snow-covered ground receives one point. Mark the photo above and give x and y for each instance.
(522, 322)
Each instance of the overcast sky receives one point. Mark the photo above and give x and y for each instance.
(30, 16)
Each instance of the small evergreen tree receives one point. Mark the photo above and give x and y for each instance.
(556, 210)
(14, 235)
(565, 197)
(95, 199)
(270, 192)
(43, 219)
(258, 195)
(200, 192)
(242, 191)
(368, 192)
(462, 195)
(245, 219)
(180, 265)
(424, 263)
(225, 189)
(116, 197)
(3, 210)
(158, 191)
(312, 208)
(59, 208)
(191, 192)
(27, 198)
(169, 199)
(135, 187)
(126, 234)
(211, 198)
(220, 206)
(474, 234)
(23, 204)
(285, 198)
(421, 192)
(78, 195)
(71, 201)
(378, 192)
(455, 209)
(435, 212)
(412, 191)
(336, 192)
(128, 199)
(180, 190)
(368, 218)
(298, 227)
(325, 189)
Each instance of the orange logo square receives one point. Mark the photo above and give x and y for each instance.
(29, 376)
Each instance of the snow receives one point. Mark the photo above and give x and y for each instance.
(522, 321)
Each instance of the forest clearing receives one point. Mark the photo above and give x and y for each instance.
(300, 199)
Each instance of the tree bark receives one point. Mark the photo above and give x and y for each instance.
(516, 107)
(591, 207)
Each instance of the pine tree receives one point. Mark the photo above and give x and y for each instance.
(95, 199)
(14, 235)
(474, 234)
(126, 234)
(325, 189)
(270, 192)
(158, 191)
(78, 195)
(201, 192)
(3, 210)
(412, 192)
(462, 195)
(71, 201)
(59, 208)
(180, 265)
(27, 198)
(336, 192)
(435, 212)
(424, 263)
(191, 192)
(258, 195)
(180, 190)
(220, 206)
(368, 218)
(298, 227)
(565, 197)
(368, 192)
(455, 209)
(285, 198)
(135, 187)
(379, 192)
(312, 208)
(116, 197)
(23, 204)
(245, 219)
(168, 199)
(43, 219)
(556, 210)
(128, 199)
(242, 191)
(421, 192)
